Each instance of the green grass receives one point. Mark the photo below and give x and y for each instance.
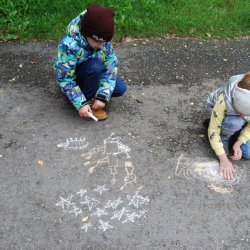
(47, 19)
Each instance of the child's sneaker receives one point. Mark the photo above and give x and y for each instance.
(100, 114)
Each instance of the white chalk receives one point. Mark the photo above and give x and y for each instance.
(92, 116)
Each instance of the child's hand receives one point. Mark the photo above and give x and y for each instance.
(226, 167)
(98, 105)
(83, 111)
(237, 151)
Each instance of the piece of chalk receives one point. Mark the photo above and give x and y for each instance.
(93, 117)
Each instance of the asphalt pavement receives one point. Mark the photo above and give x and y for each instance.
(137, 180)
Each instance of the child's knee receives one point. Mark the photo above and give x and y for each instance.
(232, 124)
(246, 150)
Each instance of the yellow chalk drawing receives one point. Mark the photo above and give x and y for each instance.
(130, 176)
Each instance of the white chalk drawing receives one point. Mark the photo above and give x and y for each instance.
(74, 143)
(114, 204)
(104, 226)
(111, 155)
(100, 212)
(118, 214)
(207, 170)
(103, 211)
(65, 203)
(82, 192)
(100, 189)
(86, 226)
(137, 200)
(75, 210)
(90, 202)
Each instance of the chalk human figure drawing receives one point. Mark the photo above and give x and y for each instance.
(113, 154)
(206, 170)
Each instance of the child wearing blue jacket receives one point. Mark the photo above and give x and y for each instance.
(86, 65)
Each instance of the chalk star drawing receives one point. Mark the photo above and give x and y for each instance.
(76, 210)
(86, 226)
(65, 203)
(82, 192)
(114, 204)
(131, 217)
(100, 189)
(137, 200)
(74, 144)
(90, 202)
(118, 214)
(99, 212)
(104, 226)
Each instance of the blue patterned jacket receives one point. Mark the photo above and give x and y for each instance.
(74, 49)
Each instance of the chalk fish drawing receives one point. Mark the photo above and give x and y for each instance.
(207, 170)
(74, 143)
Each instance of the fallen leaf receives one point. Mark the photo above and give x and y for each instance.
(40, 162)
(84, 219)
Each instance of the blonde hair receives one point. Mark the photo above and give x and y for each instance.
(245, 82)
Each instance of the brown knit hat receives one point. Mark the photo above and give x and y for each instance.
(98, 23)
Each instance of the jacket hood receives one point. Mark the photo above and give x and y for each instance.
(73, 30)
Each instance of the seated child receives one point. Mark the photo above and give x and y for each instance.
(86, 65)
(229, 122)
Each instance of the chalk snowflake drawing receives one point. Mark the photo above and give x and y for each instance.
(86, 226)
(137, 200)
(207, 170)
(90, 202)
(65, 203)
(100, 212)
(75, 210)
(131, 217)
(104, 226)
(118, 214)
(114, 204)
(111, 155)
(82, 192)
(100, 189)
(74, 143)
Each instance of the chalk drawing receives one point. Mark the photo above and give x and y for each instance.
(65, 203)
(207, 170)
(100, 189)
(130, 176)
(99, 212)
(118, 214)
(114, 204)
(137, 200)
(90, 202)
(74, 143)
(111, 155)
(86, 226)
(76, 210)
(123, 209)
(82, 192)
(104, 226)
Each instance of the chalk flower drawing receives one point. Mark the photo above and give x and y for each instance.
(105, 226)
(74, 143)
(100, 189)
(65, 203)
(86, 226)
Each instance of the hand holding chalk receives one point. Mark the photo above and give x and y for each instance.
(92, 116)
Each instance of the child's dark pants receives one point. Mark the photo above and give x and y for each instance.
(88, 75)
